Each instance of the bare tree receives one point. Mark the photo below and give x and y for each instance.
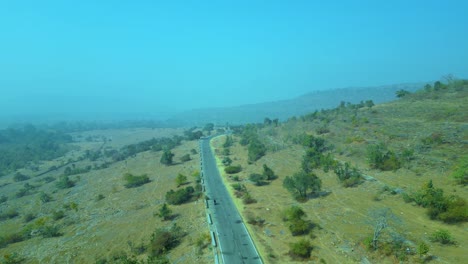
(381, 219)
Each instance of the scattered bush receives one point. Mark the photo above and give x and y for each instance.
(348, 176)
(452, 209)
(20, 177)
(50, 231)
(180, 179)
(300, 249)
(293, 213)
(256, 150)
(238, 187)
(29, 217)
(257, 179)
(248, 199)
(57, 215)
(268, 173)
(167, 157)
(299, 227)
(442, 236)
(381, 158)
(26, 190)
(135, 181)
(460, 171)
(3, 199)
(180, 196)
(434, 139)
(64, 182)
(164, 212)
(71, 206)
(162, 241)
(11, 213)
(233, 169)
(227, 161)
(44, 197)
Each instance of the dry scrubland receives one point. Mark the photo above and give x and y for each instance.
(104, 219)
(341, 215)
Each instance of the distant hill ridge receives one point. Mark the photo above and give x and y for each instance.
(284, 109)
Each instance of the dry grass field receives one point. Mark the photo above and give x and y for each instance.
(103, 228)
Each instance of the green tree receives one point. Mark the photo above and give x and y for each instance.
(165, 212)
(402, 93)
(301, 183)
(167, 157)
(209, 127)
(180, 179)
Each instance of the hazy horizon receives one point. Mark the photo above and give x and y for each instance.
(150, 59)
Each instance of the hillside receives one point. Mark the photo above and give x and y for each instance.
(284, 109)
(423, 139)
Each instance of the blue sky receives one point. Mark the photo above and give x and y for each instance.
(107, 56)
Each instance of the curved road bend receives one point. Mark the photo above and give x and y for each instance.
(234, 241)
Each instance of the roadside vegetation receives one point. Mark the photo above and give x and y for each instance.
(358, 157)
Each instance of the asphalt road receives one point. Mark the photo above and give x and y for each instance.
(233, 239)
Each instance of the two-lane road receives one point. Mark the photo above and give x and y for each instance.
(235, 243)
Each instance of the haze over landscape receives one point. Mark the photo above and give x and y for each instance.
(259, 132)
(93, 59)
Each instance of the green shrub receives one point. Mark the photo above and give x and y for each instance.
(162, 241)
(300, 249)
(57, 215)
(233, 169)
(238, 187)
(381, 158)
(348, 176)
(248, 199)
(44, 197)
(64, 182)
(268, 173)
(255, 150)
(29, 217)
(50, 231)
(135, 181)
(227, 161)
(299, 227)
(293, 213)
(3, 199)
(11, 213)
(460, 171)
(442, 236)
(257, 179)
(434, 139)
(26, 190)
(20, 177)
(180, 196)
